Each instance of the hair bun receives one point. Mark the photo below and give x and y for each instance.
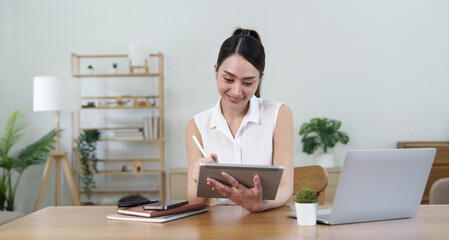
(249, 32)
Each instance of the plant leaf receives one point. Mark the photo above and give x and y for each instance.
(36, 152)
(12, 131)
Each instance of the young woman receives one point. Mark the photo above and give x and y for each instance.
(242, 128)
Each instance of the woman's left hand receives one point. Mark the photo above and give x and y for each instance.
(248, 198)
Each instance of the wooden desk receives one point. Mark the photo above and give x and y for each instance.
(221, 222)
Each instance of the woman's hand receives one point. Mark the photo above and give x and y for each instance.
(196, 169)
(248, 198)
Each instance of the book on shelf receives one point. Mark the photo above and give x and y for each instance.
(151, 127)
(123, 134)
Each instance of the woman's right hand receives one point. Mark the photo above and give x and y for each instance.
(196, 169)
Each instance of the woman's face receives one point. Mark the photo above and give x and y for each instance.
(237, 81)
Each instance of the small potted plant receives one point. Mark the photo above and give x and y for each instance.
(306, 207)
(322, 133)
(90, 68)
(114, 66)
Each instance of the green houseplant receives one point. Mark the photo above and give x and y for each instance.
(306, 206)
(14, 164)
(322, 133)
(306, 196)
(88, 149)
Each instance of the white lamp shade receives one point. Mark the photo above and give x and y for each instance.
(56, 94)
(138, 52)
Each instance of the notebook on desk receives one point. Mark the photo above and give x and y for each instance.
(379, 185)
(160, 219)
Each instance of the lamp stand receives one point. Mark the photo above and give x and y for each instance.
(58, 157)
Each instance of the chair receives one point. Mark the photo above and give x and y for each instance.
(313, 177)
(439, 192)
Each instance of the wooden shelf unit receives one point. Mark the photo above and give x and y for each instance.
(75, 72)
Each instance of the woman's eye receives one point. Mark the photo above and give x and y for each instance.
(228, 80)
(247, 84)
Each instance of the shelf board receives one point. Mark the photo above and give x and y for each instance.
(112, 128)
(116, 75)
(118, 192)
(114, 97)
(91, 108)
(109, 55)
(130, 160)
(128, 140)
(109, 172)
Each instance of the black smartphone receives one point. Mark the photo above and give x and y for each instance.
(168, 204)
(136, 203)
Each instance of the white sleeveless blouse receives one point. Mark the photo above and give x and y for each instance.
(253, 142)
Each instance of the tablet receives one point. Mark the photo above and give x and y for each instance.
(270, 177)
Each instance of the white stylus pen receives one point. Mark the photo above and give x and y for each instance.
(199, 146)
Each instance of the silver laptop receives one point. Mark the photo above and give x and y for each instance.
(379, 185)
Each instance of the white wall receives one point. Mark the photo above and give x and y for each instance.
(381, 67)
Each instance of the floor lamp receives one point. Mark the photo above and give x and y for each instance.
(56, 94)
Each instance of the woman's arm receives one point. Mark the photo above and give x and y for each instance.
(194, 157)
(251, 198)
(283, 155)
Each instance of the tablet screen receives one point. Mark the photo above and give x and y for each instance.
(270, 177)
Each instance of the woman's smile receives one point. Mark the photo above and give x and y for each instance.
(234, 99)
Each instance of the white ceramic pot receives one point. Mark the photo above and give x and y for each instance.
(306, 213)
(326, 160)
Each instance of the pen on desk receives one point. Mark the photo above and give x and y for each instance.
(199, 146)
(136, 203)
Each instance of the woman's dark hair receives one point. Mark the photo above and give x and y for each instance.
(246, 43)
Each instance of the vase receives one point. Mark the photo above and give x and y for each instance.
(306, 213)
(326, 160)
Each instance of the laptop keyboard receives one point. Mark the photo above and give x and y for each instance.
(324, 217)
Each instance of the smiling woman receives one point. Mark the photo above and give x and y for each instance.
(242, 128)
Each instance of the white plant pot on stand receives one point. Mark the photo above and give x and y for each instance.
(326, 160)
(306, 213)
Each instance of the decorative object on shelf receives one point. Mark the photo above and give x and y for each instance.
(56, 94)
(322, 133)
(124, 168)
(88, 149)
(138, 103)
(114, 66)
(306, 207)
(90, 68)
(137, 166)
(138, 57)
(34, 153)
(89, 105)
(152, 99)
(121, 102)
